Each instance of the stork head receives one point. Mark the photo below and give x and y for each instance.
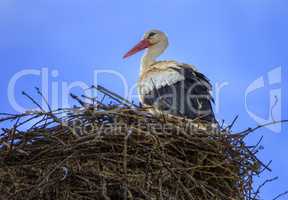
(153, 39)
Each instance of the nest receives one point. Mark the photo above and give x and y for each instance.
(118, 152)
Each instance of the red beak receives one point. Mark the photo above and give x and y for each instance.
(143, 44)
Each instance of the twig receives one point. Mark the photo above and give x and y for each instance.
(233, 122)
(262, 185)
(44, 98)
(250, 130)
(280, 195)
(37, 104)
(114, 96)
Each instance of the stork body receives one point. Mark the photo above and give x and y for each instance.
(171, 87)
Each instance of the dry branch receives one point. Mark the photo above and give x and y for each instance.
(103, 151)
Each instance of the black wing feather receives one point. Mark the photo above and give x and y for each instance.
(187, 98)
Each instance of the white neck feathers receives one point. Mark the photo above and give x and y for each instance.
(152, 53)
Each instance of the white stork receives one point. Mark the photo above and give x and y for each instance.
(168, 86)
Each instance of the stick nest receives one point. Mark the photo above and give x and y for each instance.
(122, 153)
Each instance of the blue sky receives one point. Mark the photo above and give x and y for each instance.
(230, 41)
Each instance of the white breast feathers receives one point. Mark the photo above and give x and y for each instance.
(159, 75)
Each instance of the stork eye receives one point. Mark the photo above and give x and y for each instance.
(151, 34)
